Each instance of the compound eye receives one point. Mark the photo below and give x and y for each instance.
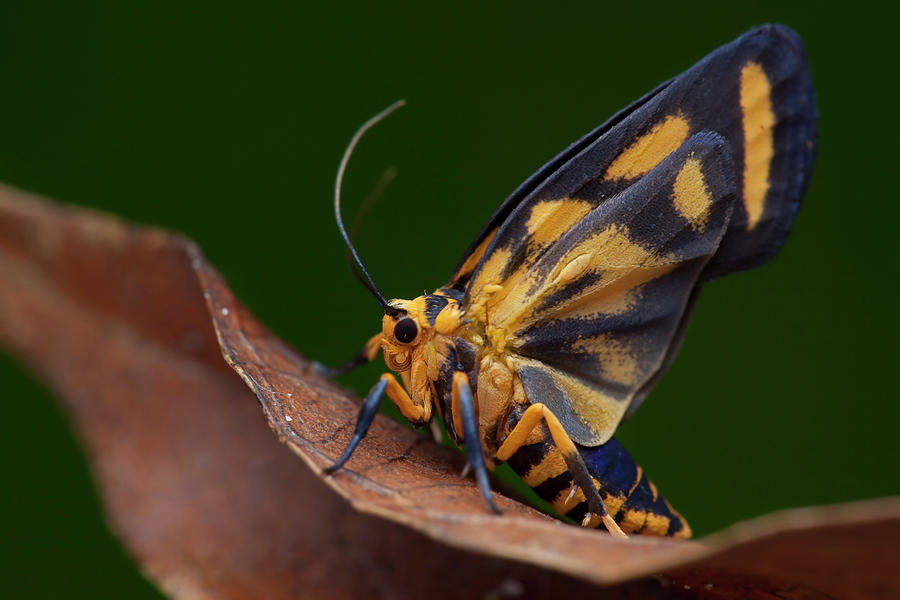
(406, 330)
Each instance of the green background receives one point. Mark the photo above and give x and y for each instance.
(226, 121)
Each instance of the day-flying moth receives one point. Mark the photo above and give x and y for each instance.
(574, 298)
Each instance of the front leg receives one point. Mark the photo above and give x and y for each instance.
(463, 408)
(418, 414)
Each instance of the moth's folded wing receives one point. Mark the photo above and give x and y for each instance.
(754, 92)
(589, 323)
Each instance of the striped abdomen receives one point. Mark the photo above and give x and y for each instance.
(629, 496)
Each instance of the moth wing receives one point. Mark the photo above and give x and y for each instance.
(476, 249)
(755, 92)
(588, 324)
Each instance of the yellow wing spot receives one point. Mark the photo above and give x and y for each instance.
(650, 149)
(552, 218)
(618, 294)
(610, 249)
(547, 222)
(759, 146)
(485, 282)
(616, 299)
(624, 264)
(471, 262)
(492, 269)
(692, 199)
(616, 362)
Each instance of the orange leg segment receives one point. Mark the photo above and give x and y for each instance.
(417, 414)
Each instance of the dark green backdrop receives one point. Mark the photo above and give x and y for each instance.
(226, 121)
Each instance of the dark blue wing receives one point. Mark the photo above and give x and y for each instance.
(754, 92)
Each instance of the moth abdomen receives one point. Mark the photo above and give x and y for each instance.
(630, 497)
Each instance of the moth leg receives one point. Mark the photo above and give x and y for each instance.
(417, 414)
(366, 354)
(463, 405)
(363, 422)
(531, 418)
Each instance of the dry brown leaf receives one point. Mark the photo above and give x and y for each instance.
(211, 506)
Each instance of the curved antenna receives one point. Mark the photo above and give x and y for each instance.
(362, 274)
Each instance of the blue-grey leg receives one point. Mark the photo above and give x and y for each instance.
(363, 422)
(464, 402)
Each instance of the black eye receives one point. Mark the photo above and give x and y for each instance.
(406, 330)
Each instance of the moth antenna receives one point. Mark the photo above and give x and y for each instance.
(362, 274)
(374, 194)
(371, 198)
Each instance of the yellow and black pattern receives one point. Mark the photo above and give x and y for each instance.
(755, 92)
(631, 499)
(587, 322)
(584, 279)
(574, 298)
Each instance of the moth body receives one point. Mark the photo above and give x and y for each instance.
(439, 340)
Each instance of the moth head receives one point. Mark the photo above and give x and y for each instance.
(403, 330)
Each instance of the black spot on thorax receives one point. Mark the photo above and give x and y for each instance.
(433, 306)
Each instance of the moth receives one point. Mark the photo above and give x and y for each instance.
(573, 299)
